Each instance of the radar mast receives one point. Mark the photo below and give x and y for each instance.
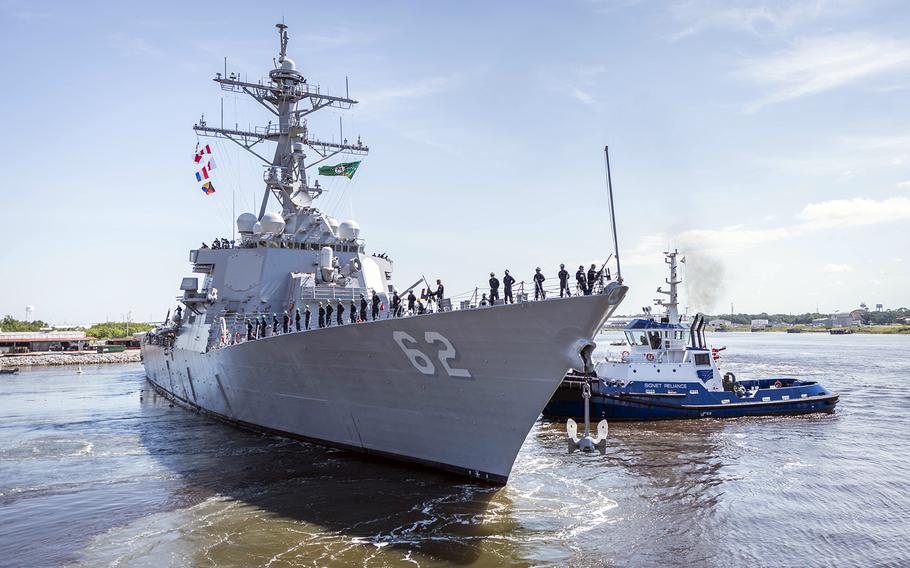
(281, 94)
(671, 305)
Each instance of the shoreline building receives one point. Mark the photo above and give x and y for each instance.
(45, 340)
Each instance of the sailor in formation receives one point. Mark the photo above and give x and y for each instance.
(396, 304)
(507, 282)
(539, 278)
(363, 308)
(249, 330)
(274, 324)
(306, 317)
(494, 289)
(328, 313)
(321, 316)
(563, 281)
(440, 290)
(594, 276)
(375, 300)
(285, 322)
(411, 300)
(580, 280)
(353, 313)
(297, 319)
(340, 311)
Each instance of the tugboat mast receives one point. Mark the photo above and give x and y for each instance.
(671, 305)
(285, 176)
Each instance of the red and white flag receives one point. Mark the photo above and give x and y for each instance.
(200, 152)
(211, 164)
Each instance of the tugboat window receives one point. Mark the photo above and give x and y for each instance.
(654, 339)
(702, 359)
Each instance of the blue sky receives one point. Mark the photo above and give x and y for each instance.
(768, 141)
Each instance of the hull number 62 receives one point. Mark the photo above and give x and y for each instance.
(421, 361)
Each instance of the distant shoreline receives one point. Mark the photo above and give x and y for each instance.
(75, 358)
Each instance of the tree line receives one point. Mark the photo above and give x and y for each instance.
(884, 317)
(105, 330)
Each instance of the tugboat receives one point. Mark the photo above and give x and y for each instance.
(668, 371)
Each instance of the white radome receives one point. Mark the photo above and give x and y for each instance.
(257, 228)
(272, 223)
(246, 222)
(349, 230)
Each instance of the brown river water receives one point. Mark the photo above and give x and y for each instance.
(96, 470)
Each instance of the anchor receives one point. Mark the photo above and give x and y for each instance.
(587, 443)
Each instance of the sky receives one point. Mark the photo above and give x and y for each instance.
(768, 141)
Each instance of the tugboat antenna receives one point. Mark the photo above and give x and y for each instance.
(612, 215)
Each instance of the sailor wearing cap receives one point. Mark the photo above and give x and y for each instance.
(539, 294)
(580, 280)
(411, 299)
(306, 317)
(363, 308)
(249, 330)
(507, 282)
(321, 316)
(285, 322)
(274, 323)
(375, 300)
(396, 304)
(297, 318)
(340, 312)
(353, 313)
(494, 289)
(328, 313)
(563, 281)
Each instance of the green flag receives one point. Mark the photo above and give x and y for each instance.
(346, 169)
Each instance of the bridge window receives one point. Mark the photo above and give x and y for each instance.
(702, 359)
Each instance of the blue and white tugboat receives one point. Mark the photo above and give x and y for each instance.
(667, 370)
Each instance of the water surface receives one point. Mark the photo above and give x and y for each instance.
(96, 470)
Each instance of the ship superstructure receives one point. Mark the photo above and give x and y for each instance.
(454, 389)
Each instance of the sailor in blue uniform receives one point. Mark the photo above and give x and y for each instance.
(297, 318)
(328, 313)
(363, 308)
(563, 281)
(411, 299)
(285, 322)
(340, 312)
(249, 331)
(321, 316)
(494, 289)
(306, 317)
(396, 304)
(375, 306)
(580, 280)
(539, 293)
(507, 282)
(353, 313)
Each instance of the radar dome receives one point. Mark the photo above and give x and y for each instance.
(245, 223)
(288, 64)
(348, 230)
(272, 223)
(257, 228)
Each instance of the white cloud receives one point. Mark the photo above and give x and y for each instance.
(903, 183)
(415, 90)
(813, 217)
(752, 17)
(582, 96)
(856, 211)
(838, 268)
(815, 65)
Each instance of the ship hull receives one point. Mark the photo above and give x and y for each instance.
(392, 387)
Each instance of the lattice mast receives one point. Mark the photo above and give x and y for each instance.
(672, 304)
(281, 94)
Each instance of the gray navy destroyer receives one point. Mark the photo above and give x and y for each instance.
(455, 389)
